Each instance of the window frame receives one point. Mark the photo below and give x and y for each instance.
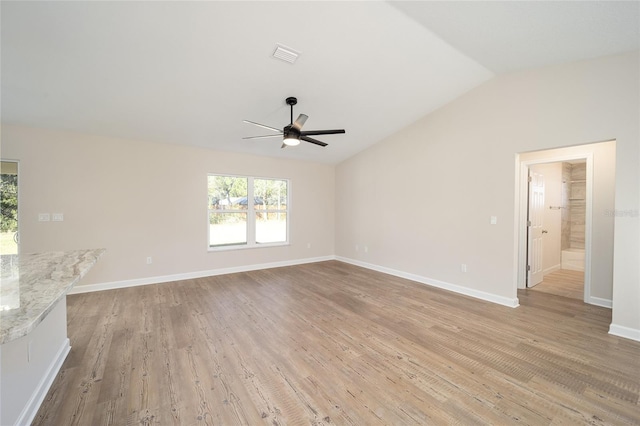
(251, 215)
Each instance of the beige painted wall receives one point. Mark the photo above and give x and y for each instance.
(551, 218)
(139, 199)
(422, 199)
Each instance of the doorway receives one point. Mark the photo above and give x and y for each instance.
(599, 187)
(535, 167)
(556, 228)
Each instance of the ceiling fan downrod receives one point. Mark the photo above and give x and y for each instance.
(291, 101)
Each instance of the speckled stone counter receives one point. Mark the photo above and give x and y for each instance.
(32, 284)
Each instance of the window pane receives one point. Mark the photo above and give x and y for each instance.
(227, 193)
(9, 202)
(271, 227)
(270, 194)
(227, 228)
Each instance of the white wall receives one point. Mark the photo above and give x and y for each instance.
(139, 199)
(551, 219)
(422, 199)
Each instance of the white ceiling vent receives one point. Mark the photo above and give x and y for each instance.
(285, 53)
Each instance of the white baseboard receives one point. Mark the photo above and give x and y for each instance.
(598, 301)
(489, 297)
(617, 330)
(552, 269)
(626, 332)
(191, 275)
(31, 408)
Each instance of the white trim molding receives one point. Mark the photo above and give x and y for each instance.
(598, 301)
(626, 332)
(191, 275)
(489, 297)
(552, 269)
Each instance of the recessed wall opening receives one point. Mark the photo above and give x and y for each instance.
(564, 236)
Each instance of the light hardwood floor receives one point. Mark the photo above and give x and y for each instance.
(333, 343)
(563, 283)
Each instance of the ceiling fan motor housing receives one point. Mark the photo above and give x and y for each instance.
(291, 131)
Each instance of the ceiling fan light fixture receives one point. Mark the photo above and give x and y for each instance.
(291, 140)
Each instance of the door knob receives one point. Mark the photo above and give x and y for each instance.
(544, 231)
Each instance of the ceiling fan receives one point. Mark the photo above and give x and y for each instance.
(292, 134)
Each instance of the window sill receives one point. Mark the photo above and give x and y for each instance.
(245, 247)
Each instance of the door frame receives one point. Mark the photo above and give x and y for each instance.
(521, 211)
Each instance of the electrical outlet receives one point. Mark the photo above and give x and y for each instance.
(149, 260)
(463, 267)
(366, 249)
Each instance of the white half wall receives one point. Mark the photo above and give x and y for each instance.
(29, 365)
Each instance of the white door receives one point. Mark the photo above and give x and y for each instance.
(534, 235)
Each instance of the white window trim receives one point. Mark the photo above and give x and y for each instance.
(251, 217)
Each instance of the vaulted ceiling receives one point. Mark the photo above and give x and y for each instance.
(190, 72)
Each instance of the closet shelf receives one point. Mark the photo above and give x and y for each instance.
(576, 199)
(578, 181)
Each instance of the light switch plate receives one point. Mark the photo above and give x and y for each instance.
(44, 217)
(494, 220)
(58, 217)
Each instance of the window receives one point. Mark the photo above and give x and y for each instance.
(247, 211)
(9, 207)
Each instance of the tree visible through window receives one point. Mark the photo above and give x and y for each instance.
(247, 211)
(9, 207)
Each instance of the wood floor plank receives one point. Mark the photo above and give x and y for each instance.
(563, 282)
(332, 343)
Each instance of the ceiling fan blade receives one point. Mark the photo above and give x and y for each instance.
(265, 136)
(315, 141)
(322, 132)
(262, 125)
(302, 118)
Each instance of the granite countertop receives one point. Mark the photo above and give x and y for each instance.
(32, 284)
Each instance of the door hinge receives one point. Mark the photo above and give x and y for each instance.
(528, 268)
(528, 223)
(529, 179)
